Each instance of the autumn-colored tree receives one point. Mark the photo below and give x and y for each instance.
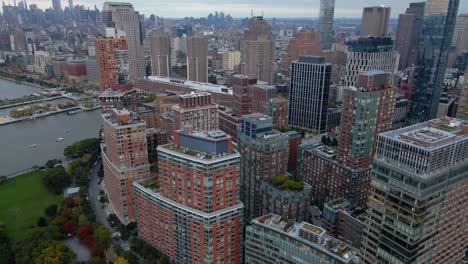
(55, 253)
(85, 231)
(69, 227)
(121, 260)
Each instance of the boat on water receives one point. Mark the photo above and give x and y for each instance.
(59, 139)
(33, 146)
(66, 131)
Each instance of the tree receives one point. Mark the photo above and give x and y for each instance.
(51, 210)
(51, 163)
(41, 221)
(121, 260)
(69, 227)
(79, 148)
(30, 247)
(163, 260)
(334, 142)
(102, 235)
(6, 252)
(56, 179)
(55, 252)
(85, 231)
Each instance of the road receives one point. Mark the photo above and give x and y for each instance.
(101, 217)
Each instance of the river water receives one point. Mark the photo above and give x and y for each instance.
(15, 139)
(9, 89)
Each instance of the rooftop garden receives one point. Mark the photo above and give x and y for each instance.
(447, 128)
(190, 152)
(287, 183)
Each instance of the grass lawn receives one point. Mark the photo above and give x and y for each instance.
(22, 201)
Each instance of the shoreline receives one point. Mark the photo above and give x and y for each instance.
(23, 82)
(39, 116)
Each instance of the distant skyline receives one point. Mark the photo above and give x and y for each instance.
(243, 8)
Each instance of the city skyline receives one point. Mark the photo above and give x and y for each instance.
(244, 8)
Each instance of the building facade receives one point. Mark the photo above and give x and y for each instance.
(308, 94)
(197, 59)
(273, 239)
(122, 17)
(375, 21)
(436, 37)
(407, 34)
(194, 215)
(258, 51)
(109, 53)
(196, 110)
(160, 49)
(124, 158)
(306, 42)
(264, 154)
(325, 23)
(290, 202)
(417, 199)
(368, 54)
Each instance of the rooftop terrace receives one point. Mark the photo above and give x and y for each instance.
(214, 88)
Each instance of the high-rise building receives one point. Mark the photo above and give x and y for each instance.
(70, 5)
(196, 110)
(264, 154)
(367, 111)
(192, 213)
(436, 37)
(124, 158)
(231, 59)
(417, 200)
(271, 239)
(122, 17)
(197, 59)
(407, 34)
(460, 39)
(308, 94)
(112, 61)
(258, 51)
(160, 49)
(369, 54)
(56, 5)
(285, 196)
(277, 108)
(344, 221)
(325, 23)
(375, 21)
(305, 42)
(241, 86)
(120, 96)
(260, 95)
(463, 103)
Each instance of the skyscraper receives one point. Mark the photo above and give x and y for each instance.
(417, 200)
(407, 35)
(463, 103)
(370, 54)
(375, 21)
(305, 42)
(308, 95)
(112, 61)
(241, 85)
(124, 158)
(56, 5)
(70, 5)
(436, 37)
(258, 51)
(160, 49)
(367, 111)
(264, 154)
(196, 110)
(325, 23)
(122, 17)
(197, 59)
(192, 213)
(460, 35)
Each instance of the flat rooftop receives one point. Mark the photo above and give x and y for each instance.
(432, 134)
(193, 95)
(330, 245)
(214, 88)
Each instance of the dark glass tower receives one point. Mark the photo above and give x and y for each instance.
(436, 38)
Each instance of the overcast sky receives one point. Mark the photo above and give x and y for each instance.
(242, 8)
